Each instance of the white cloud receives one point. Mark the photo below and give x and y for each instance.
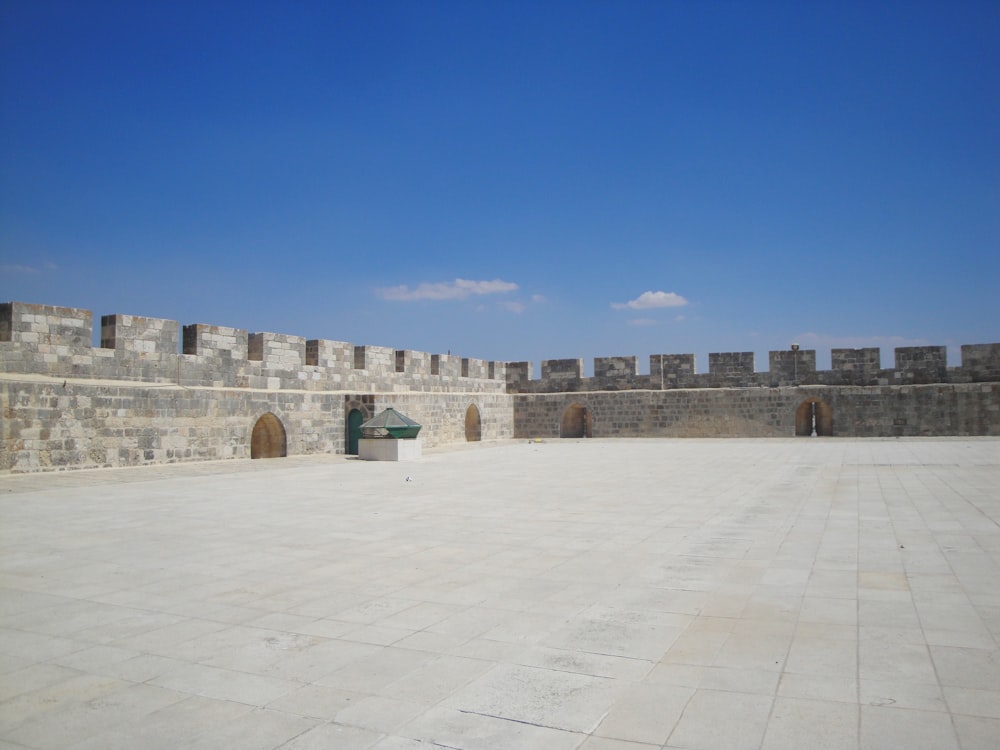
(651, 300)
(17, 268)
(642, 322)
(680, 318)
(538, 299)
(443, 290)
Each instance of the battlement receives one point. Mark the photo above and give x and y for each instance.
(860, 367)
(57, 341)
(153, 391)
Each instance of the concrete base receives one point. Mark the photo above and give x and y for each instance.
(387, 449)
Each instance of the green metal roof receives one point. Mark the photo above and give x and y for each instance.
(390, 423)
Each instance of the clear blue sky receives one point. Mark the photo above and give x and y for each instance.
(511, 180)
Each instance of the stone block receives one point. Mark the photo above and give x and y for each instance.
(672, 370)
(788, 367)
(51, 325)
(335, 355)
(562, 369)
(981, 362)
(131, 333)
(277, 351)
(731, 369)
(216, 341)
(518, 374)
(921, 364)
(387, 449)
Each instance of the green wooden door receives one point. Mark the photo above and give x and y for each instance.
(354, 420)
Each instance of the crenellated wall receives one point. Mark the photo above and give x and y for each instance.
(56, 341)
(148, 395)
(856, 397)
(156, 392)
(915, 365)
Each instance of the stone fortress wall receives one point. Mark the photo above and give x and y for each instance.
(856, 397)
(154, 392)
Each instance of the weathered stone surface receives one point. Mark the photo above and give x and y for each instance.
(886, 411)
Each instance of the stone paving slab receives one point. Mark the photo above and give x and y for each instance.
(587, 595)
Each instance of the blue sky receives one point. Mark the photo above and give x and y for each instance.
(511, 180)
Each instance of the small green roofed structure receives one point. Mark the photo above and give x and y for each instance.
(390, 424)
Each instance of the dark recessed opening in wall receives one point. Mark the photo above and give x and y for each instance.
(473, 425)
(575, 422)
(108, 332)
(268, 439)
(814, 417)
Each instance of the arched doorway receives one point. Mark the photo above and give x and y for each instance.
(268, 439)
(355, 417)
(473, 425)
(814, 417)
(575, 422)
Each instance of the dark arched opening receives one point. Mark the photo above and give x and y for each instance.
(814, 417)
(473, 425)
(575, 422)
(268, 439)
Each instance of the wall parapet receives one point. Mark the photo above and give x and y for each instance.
(199, 392)
(915, 365)
(58, 341)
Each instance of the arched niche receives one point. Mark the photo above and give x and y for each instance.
(576, 422)
(473, 424)
(814, 414)
(268, 439)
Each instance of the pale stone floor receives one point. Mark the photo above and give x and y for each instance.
(593, 594)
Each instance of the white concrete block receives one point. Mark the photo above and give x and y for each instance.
(387, 449)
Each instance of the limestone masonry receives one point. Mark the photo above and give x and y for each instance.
(153, 392)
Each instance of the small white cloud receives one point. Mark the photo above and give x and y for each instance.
(538, 299)
(680, 318)
(642, 322)
(19, 268)
(515, 307)
(444, 290)
(652, 300)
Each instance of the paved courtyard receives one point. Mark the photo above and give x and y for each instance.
(597, 595)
